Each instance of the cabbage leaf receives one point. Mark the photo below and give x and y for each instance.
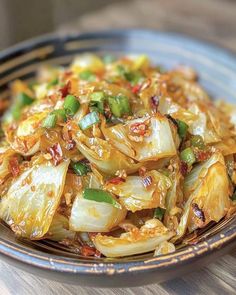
(32, 199)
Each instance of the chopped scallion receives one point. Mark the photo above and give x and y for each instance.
(80, 168)
(182, 128)
(99, 195)
(23, 99)
(197, 141)
(89, 120)
(87, 75)
(159, 213)
(16, 111)
(187, 156)
(119, 105)
(71, 105)
(97, 96)
(53, 83)
(97, 101)
(50, 121)
(61, 114)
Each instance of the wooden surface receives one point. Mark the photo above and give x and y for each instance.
(212, 20)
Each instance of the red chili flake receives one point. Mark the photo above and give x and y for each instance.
(135, 89)
(202, 155)
(14, 166)
(138, 128)
(142, 171)
(198, 212)
(183, 168)
(116, 180)
(90, 251)
(65, 89)
(147, 181)
(70, 145)
(155, 101)
(56, 153)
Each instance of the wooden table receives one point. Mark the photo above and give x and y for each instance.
(212, 20)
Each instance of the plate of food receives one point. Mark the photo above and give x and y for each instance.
(117, 156)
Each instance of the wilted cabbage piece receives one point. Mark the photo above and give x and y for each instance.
(227, 146)
(228, 109)
(92, 216)
(137, 193)
(144, 139)
(6, 154)
(192, 90)
(87, 62)
(207, 192)
(174, 197)
(105, 157)
(59, 229)
(164, 248)
(142, 240)
(211, 124)
(33, 198)
(167, 106)
(25, 139)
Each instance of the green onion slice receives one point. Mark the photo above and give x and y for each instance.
(61, 114)
(99, 195)
(119, 105)
(53, 83)
(87, 75)
(159, 213)
(89, 120)
(71, 105)
(50, 121)
(24, 99)
(182, 129)
(16, 111)
(97, 101)
(197, 141)
(52, 118)
(80, 168)
(187, 156)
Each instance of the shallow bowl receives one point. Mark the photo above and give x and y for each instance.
(217, 73)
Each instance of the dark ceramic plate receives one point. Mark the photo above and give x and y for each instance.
(217, 69)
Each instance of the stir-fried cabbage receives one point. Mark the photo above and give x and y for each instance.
(59, 229)
(92, 216)
(167, 106)
(32, 199)
(137, 193)
(6, 154)
(207, 192)
(211, 124)
(142, 240)
(105, 157)
(26, 138)
(157, 144)
(115, 156)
